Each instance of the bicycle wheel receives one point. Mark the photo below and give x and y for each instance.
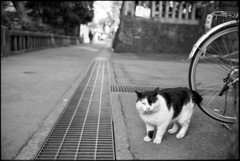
(214, 69)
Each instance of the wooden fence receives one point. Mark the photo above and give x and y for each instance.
(178, 12)
(15, 42)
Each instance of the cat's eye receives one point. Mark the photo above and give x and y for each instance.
(144, 103)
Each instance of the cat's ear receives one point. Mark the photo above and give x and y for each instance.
(139, 95)
(155, 92)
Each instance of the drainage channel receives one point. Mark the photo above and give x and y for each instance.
(85, 128)
(130, 89)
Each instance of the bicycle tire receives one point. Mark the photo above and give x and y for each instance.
(232, 28)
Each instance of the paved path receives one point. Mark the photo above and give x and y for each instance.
(37, 86)
(205, 139)
(84, 130)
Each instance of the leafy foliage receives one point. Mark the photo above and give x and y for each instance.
(59, 17)
(61, 14)
(5, 16)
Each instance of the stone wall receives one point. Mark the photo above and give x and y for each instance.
(139, 35)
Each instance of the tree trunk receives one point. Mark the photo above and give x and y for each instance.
(20, 7)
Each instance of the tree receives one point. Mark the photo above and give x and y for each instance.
(61, 17)
(4, 14)
(20, 7)
(11, 18)
(62, 14)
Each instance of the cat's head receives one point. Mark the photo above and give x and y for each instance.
(147, 101)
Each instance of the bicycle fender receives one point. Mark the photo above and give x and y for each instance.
(206, 35)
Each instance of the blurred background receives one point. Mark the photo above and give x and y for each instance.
(132, 26)
(69, 18)
(160, 27)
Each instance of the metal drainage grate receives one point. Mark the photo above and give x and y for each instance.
(85, 129)
(130, 89)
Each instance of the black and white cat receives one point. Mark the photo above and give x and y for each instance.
(158, 108)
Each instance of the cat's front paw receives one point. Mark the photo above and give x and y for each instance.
(157, 141)
(172, 131)
(147, 139)
(180, 135)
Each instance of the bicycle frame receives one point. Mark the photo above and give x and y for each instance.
(199, 42)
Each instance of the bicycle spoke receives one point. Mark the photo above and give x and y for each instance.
(238, 53)
(218, 48)
(224, 56)
(215, 94)
(210, 85)
(232, 47)
(226, 50)
(233, 53)
(224, 74)
(207, 90)
(205, 60)
(220, 55)
(237, 62)
(217, 61)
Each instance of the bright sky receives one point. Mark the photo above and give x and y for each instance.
(100, 13)
(100, 8)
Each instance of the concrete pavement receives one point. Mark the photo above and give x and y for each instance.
(205, 139)
(36, 87)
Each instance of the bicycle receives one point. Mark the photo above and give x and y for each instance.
(214, 69)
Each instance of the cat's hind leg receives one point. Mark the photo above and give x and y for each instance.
(173, 129)
(184, 119)
(184, 122)
(150, 131)
(184, 128)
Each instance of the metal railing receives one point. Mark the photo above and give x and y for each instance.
(15, 42)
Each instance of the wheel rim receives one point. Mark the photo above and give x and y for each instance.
(218, 60)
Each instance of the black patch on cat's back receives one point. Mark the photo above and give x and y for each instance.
(176, 97)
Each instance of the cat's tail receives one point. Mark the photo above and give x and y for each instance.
(197, 98)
